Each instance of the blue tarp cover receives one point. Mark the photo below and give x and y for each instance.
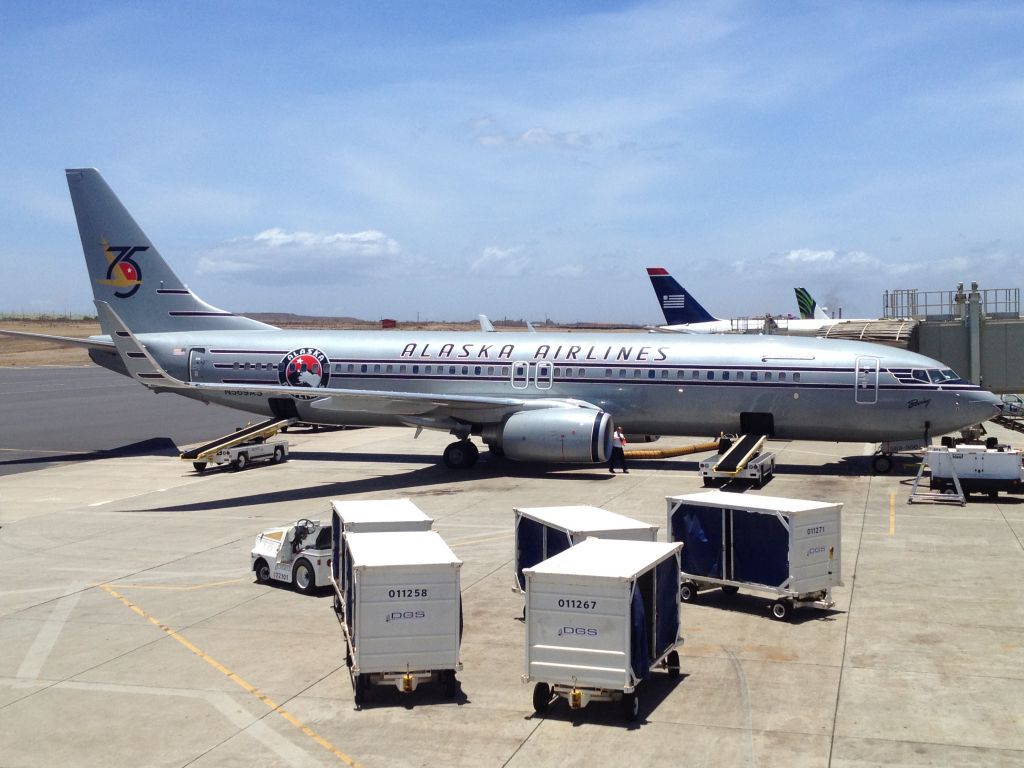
(639, 657)
(666, 590)
(760, 545)
(536, 542)
(700, 530)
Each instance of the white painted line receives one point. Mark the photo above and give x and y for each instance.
(37, 655)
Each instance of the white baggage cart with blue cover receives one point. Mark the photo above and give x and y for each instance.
(543, 532)
(788, 548)
(600, 617)
(369, 516)
(402, 620)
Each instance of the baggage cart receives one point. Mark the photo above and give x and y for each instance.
(402, 620)
(369, 516)
(601, 616)
(788, 548)
(543, 532)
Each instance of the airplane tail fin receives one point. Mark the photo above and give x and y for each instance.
(809, 308)
(676, 302)
(127, 271)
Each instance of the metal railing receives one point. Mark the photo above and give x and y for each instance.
(949, 305)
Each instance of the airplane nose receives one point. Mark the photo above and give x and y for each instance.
(983, 404)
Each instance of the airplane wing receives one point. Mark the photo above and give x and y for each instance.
(92, 342)
(418, 408)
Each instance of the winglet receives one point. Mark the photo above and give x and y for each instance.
(140, 364)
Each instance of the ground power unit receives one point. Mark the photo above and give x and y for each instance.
(402, 619)
(788, 548)
(601, 616)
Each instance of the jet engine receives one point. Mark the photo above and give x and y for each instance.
(576, 435)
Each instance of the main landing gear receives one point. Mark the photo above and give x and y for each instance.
(461, 454)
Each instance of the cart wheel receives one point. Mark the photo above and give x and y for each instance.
(241, 462)
(672, 663)
(781, 609)
(993, 494)
(278, 455)
(730, 589)
(688, 591)
(348, 658)
(448, 683)
(882, 463)
(708, 482)
(541, 697)
(199, 466)
(631, 706)
(362, 687)
(304, 579)
(262, 571)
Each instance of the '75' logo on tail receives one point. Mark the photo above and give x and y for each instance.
(122, 271)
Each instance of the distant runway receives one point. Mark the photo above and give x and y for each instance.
(55, 415)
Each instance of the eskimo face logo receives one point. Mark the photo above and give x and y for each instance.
(122, 270)
(305, 367)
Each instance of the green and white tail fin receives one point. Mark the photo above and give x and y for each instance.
(128, 273)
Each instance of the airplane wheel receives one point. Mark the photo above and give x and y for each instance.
(262, 571)
(199, 466)
(541, 697)
(882, 464)
(304, 578)
(461, 454)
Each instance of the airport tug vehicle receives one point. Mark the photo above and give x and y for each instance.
(299, 554)
(402, 616)
(788, 548)
(600, 617)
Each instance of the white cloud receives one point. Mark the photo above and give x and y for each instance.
(501, 262)
(277, 256)
(536, 137)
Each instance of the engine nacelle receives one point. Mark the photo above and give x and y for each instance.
(576, 435)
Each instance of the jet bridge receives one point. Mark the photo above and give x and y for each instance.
(261, 431)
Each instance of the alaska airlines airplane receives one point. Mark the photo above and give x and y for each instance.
(530, 396)
(683, 313)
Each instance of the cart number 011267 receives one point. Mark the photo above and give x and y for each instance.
(570, 602)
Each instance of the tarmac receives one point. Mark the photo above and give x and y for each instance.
(133, 632)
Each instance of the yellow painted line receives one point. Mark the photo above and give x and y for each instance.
(181, 589)
(242, 683)
(892, 513)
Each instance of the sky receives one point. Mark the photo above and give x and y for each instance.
(527, 160)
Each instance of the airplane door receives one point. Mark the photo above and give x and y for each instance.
(543, 375)
(196, 363)
(520, 375)
(867, 380)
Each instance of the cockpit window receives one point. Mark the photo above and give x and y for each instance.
(920, 375)
(946, 376)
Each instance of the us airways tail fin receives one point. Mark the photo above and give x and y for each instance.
(676, 302)
(127, 271)
(809, 308)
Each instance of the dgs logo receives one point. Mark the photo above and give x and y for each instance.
(403, 615)
(577, 632)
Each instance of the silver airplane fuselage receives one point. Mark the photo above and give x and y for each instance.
(812, 389)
